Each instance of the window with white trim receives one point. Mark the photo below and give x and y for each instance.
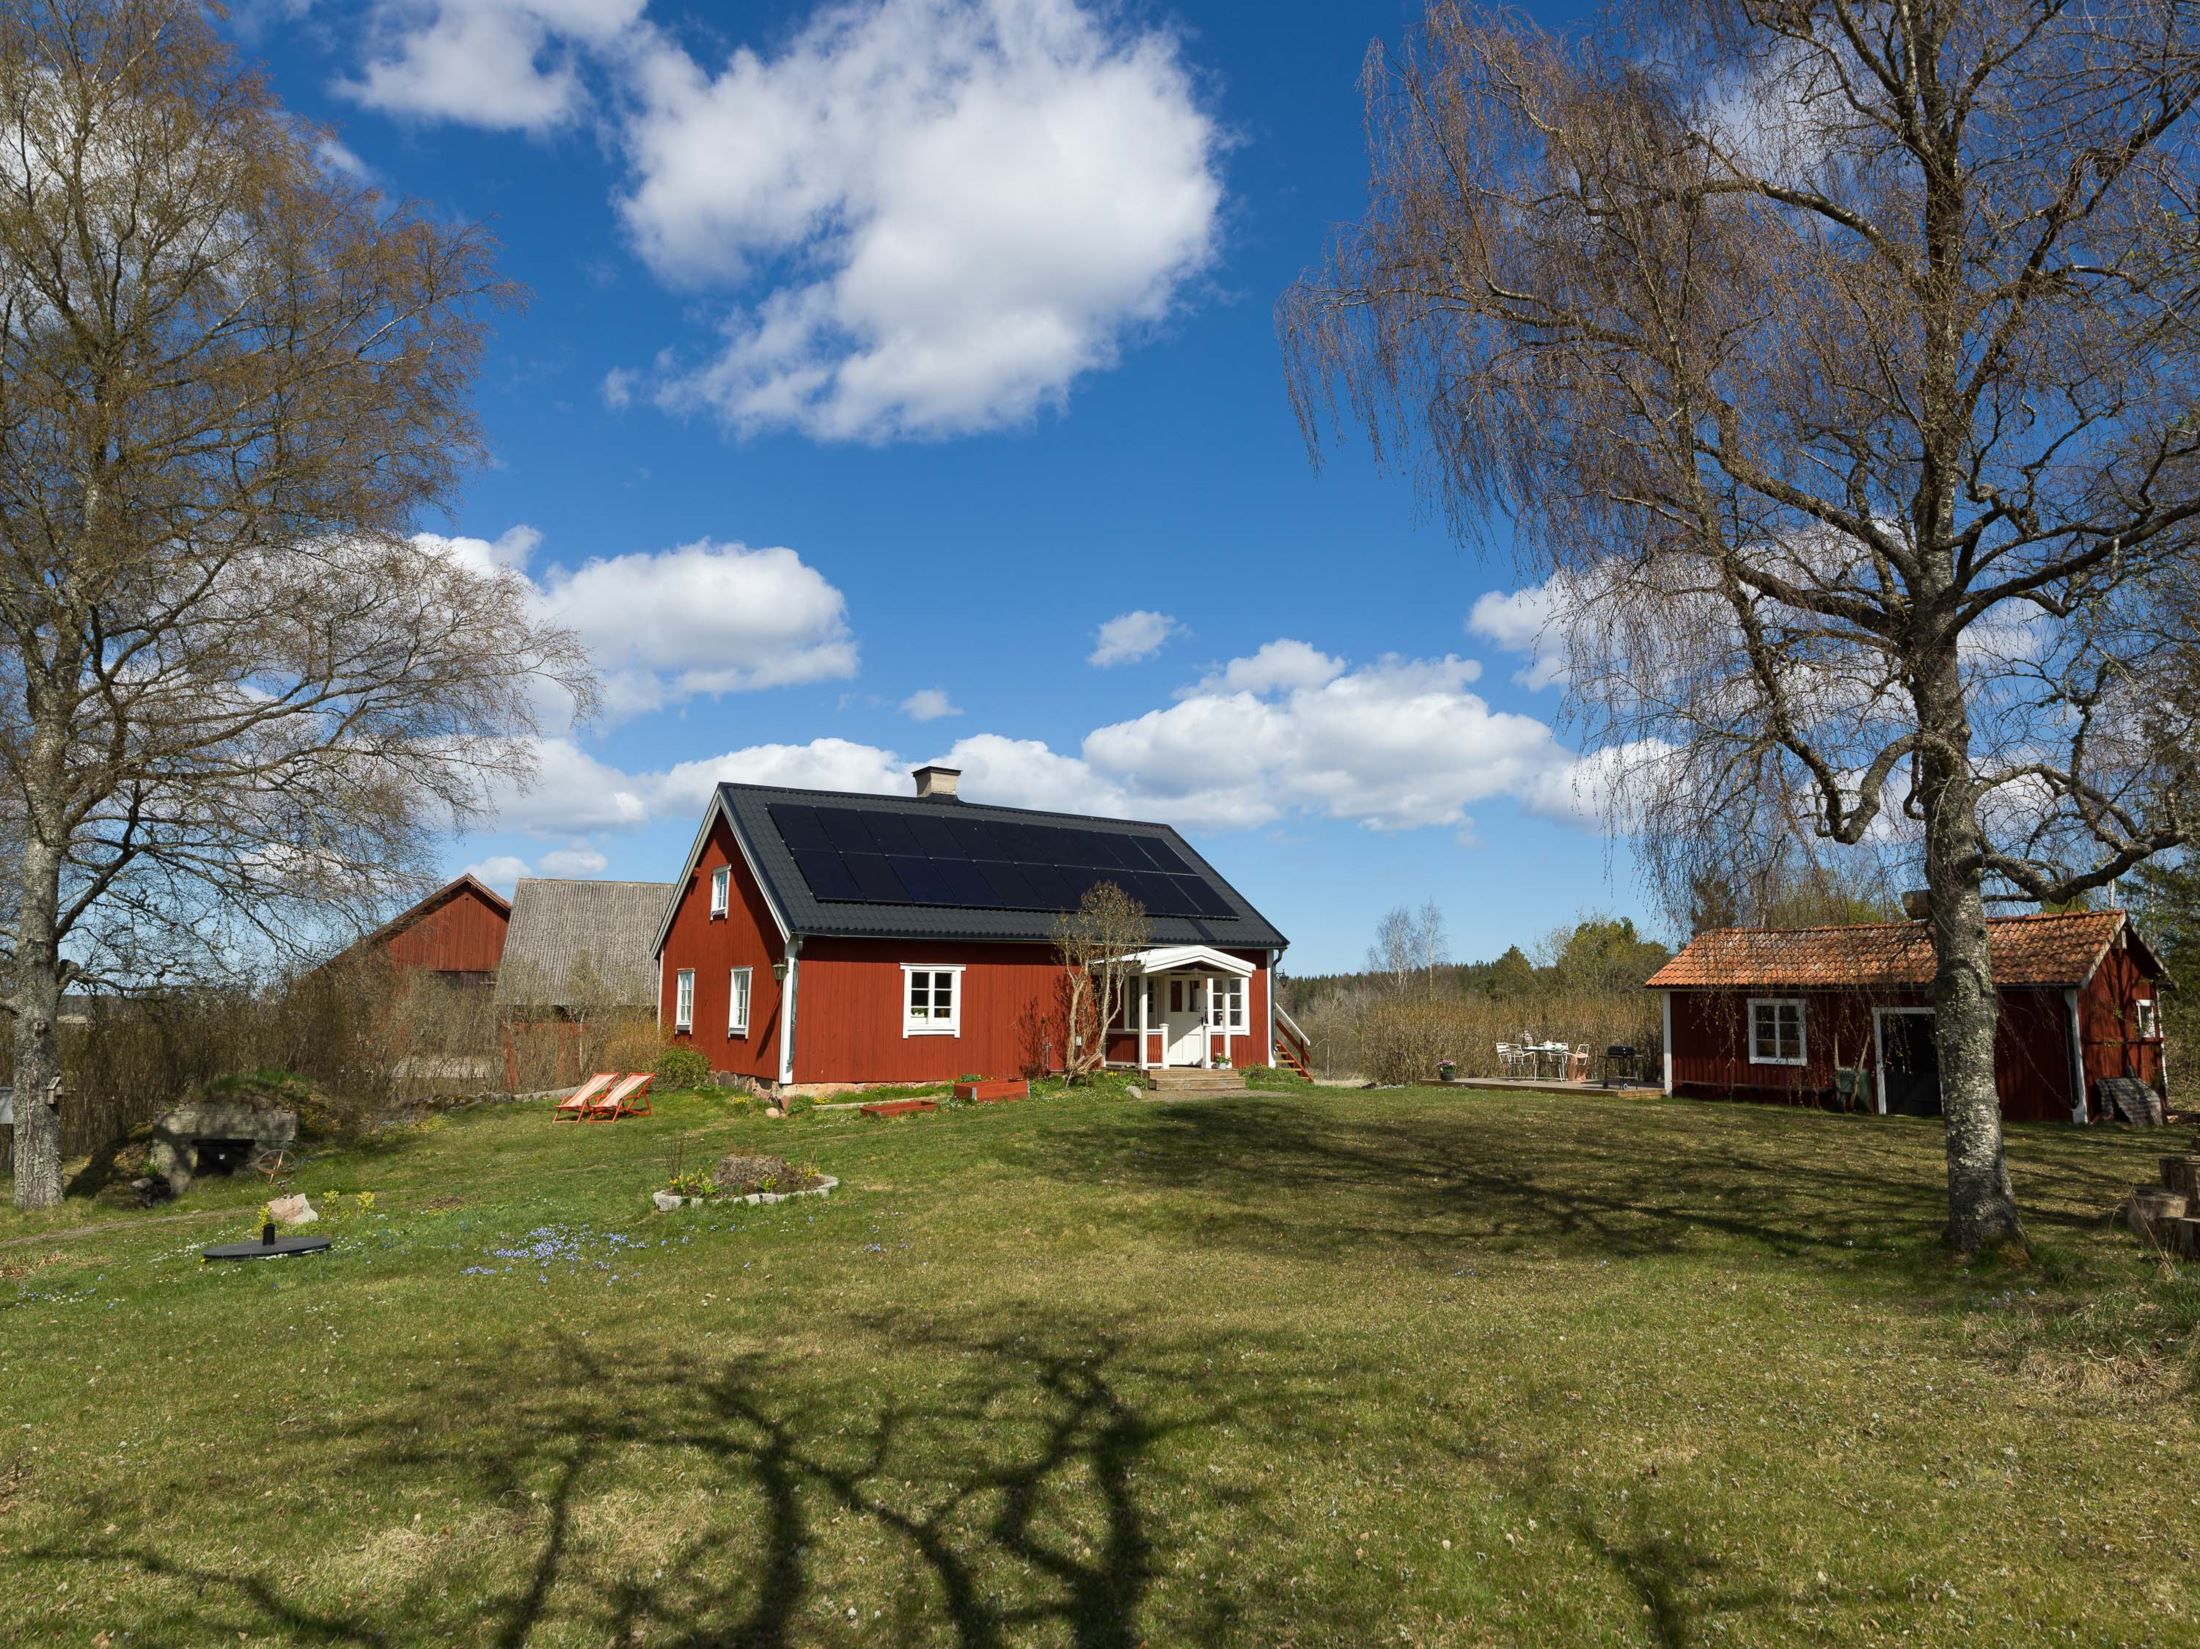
(2150, 1023)
(1226, 1011)
(737, 1003)
(931, 1001)
(1776, 1031)
(721, 889)
(683, 1000)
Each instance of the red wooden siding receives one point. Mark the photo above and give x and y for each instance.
(1710, 1050)
(2109, 1017)
(848, 1013)
(714, 946)
(462, 935)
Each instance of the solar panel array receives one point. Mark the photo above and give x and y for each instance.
(854, 856)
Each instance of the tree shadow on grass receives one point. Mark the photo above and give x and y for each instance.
(1612, 1180)
(1037, 1490)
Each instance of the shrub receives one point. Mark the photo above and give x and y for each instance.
(1404, 1037)
(682, 1068)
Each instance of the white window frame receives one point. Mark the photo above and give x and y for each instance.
(1802, 1030)
(739, 988)
(1229, 1005)
(721, 890)
(2150, 1018)
(683, 1000)
(952, 1025)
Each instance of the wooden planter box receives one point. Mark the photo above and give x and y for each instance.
(899, 1107)
(997, 1092)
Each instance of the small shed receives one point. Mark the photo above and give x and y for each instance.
(456, 933)
(1774, 1013)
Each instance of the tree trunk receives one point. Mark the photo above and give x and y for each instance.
(37, 1052)
(1982, 1205)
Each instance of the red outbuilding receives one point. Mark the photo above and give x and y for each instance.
(1773, 1014)
(456, 933)
(823, 938)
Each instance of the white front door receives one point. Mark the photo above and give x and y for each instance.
(1183, 1019)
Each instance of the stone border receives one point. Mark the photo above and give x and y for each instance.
(665, 1202)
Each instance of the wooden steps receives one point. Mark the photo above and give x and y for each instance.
(1184, 1082)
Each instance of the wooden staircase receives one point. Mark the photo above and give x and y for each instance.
(1294, 1048)
(1190, 1082)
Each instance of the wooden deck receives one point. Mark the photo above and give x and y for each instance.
(1558, 1085)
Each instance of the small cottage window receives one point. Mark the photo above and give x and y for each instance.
(1228, 1012)
(2150, 1023)
(1775, 1031)
(683, 1000)
(737, 1004)
(721, 889)
(931, 1001)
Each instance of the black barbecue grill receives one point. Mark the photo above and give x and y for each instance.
(1622, 1065)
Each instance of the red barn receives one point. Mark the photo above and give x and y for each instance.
(822, 938)
(456, 933)
(1757, 1013)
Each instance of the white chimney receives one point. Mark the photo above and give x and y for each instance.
(937, 784)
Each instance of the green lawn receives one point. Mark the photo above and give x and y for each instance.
(1433, 1367)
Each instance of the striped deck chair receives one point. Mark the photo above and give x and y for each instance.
(630, 1098)
(575, 1105)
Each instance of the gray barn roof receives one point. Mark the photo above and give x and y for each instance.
(748, 808)
(581, 944)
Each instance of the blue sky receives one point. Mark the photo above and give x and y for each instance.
(898, 381)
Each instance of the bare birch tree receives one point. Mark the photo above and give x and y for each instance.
(1835, 360)
(1094, 944)
(237, 692)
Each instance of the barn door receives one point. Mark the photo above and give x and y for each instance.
(1909, 1065)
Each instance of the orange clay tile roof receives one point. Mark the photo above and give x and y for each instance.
(2040, 950)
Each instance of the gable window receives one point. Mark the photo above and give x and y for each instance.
(1228, 1010)
(1775, 1031)
(2150, 1023)
(737, 1004)
(683, 1000)
(931, 1001)
(721, 889)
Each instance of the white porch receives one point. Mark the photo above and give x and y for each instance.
(1187, 1002)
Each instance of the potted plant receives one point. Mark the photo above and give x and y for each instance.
(1446, 1069)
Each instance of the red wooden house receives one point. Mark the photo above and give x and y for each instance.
(1756, 1013)
(456, 933)
(822, 938)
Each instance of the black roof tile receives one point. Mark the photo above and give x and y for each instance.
(907, 828)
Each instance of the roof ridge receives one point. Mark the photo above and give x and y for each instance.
(957, 804)
(1909, 922)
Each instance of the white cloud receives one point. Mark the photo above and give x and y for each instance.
(1395, 745)
(339, 160)
(511, 65)
(499, 871)
(618, 388)
(703, 618)
(573, 861)
(929, 704)
(573, 792)
(822, 764)
(1283, 663)
(1522, 621)
(1128, 637)
(956, 208)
